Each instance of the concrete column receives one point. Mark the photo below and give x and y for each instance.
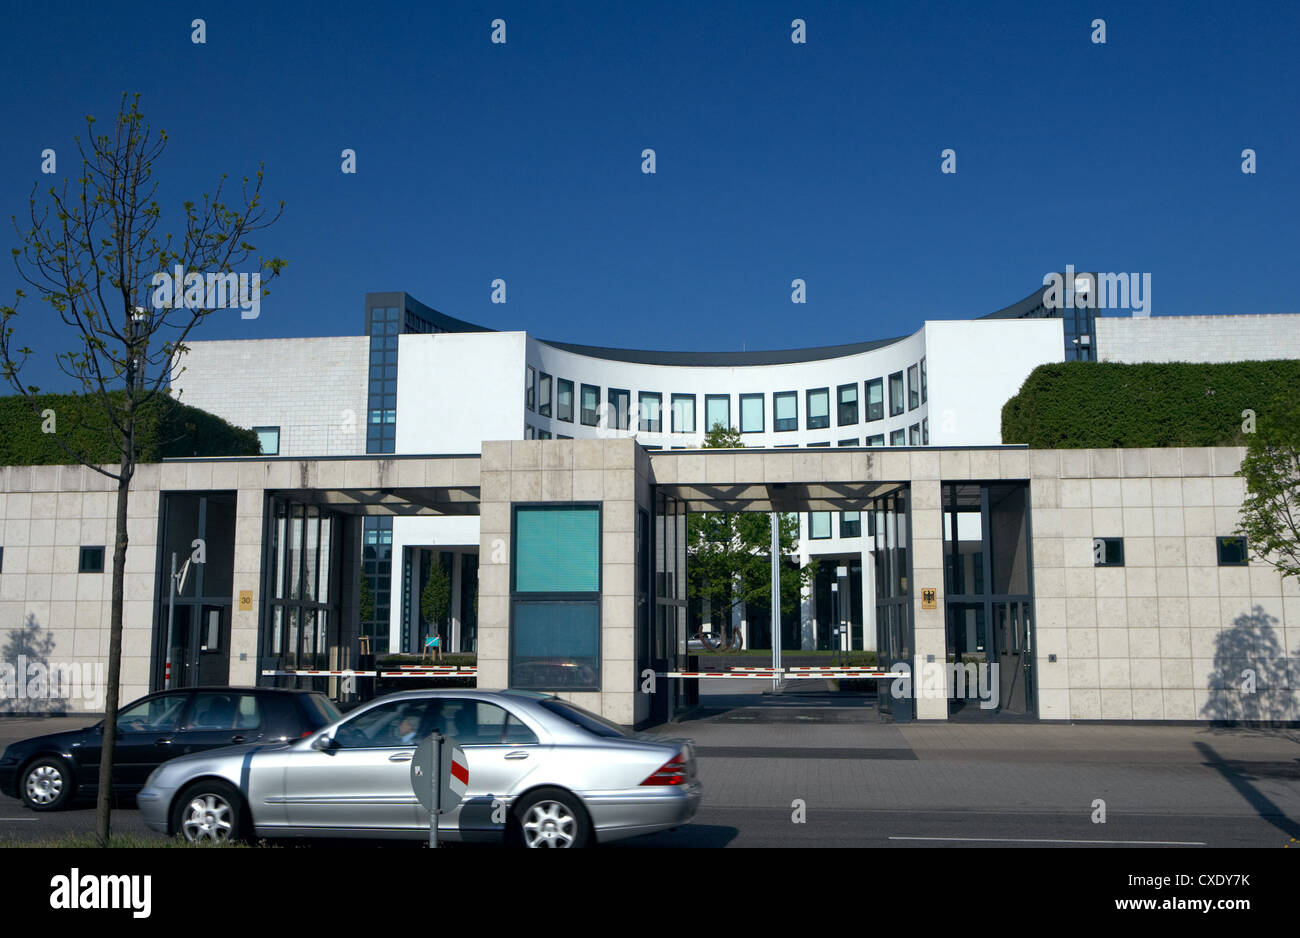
(244, 618)
(927, 570)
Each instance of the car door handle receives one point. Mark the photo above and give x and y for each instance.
(239, 739)
(162, 742)
(400, 757)
(516, 755)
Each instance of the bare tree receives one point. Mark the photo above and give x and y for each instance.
(93, 253)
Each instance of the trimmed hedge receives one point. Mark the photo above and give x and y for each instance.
(164, 429)
(1086, 405)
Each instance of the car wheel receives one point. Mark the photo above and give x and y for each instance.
(47, 784)
(550, 817)
(208, 812)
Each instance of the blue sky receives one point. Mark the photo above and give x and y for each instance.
(775, 161)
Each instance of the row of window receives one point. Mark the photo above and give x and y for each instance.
(91, 560)
(554, 397)
(1109, 551)
(819, 524)
(918, 434)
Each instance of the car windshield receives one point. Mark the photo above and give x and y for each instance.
(589, 721)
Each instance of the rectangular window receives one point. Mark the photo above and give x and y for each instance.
(564, 400)
(92, 560)
(543, 434)
(717, 411)
(620, 409)
(875, 399)
(1232, 552)
(590, 405)
(819, 525)
(896, 394)
(913, 387)
(544, 394)
(269, 438)
(898, 438)
(683, 413)
(876, 440)
(848, 443)
(815, 445)
(914, 435)
(850, 524)
(651, 404)
(785, 411)
(925, 432)
(555, 645)
(819, 409)
(848, 401)
(557, 550)
(1108, 551)
(925, 394)
(530, 389)
(751, 413)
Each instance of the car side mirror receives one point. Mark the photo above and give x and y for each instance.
(322, 743)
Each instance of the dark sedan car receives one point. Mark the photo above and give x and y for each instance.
(47, 772)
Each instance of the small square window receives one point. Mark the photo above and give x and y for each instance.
(819, 409)
(717, 412)
(651, 403)
(751, 413)
(847, 395)
(898, 438)
(564, 400)
(875, 389)
(590, 405)
(850, 524)
(1108, 551)
(1232, 552)
(896, 403)
(92, 560)
(269, 439)
(913, 387)
(848, 443)
(544, 394)
(683, 413)
(785, 411)
(819, 525)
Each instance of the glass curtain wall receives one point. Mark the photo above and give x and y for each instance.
(303, 626)
(893, 560)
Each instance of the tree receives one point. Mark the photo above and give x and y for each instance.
(729, 553)
(94, 254)
(435, 599)
(1270, 513)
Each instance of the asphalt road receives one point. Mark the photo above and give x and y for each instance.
(811, 771)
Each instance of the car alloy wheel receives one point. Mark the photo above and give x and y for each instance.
(47, 784)
(549, 824)
(208, 817)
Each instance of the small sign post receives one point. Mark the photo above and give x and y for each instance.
(439, 778)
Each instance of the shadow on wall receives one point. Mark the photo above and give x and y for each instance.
(1252, 678)
(25, 677)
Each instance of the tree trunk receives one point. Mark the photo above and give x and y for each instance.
(103, 805)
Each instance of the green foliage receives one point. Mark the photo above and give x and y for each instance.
(1081, 405)
(367, 601)
(729, 552)
(435, 599)
(1270, 512)
(164, 429)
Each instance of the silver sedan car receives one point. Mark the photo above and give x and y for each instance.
(542, 772)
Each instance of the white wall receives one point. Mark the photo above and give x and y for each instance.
(976, 367)
(313, 389)
(455, 390)
(1198, 338)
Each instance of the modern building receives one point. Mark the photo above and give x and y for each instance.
(522, 465)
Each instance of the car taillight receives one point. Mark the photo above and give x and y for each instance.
(305, 734)
(672, 772)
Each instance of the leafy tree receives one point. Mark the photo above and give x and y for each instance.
(1270, 513)
(367, 600)
(729, 553)
(91, 253)
(435, 599)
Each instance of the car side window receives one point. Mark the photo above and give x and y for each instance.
(394, 724)
(225, 711)
(477, 723)
(155, 715)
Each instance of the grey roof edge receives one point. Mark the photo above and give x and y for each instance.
(722, 359)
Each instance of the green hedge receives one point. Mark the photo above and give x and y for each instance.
(1080, 405)
(165, 429)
